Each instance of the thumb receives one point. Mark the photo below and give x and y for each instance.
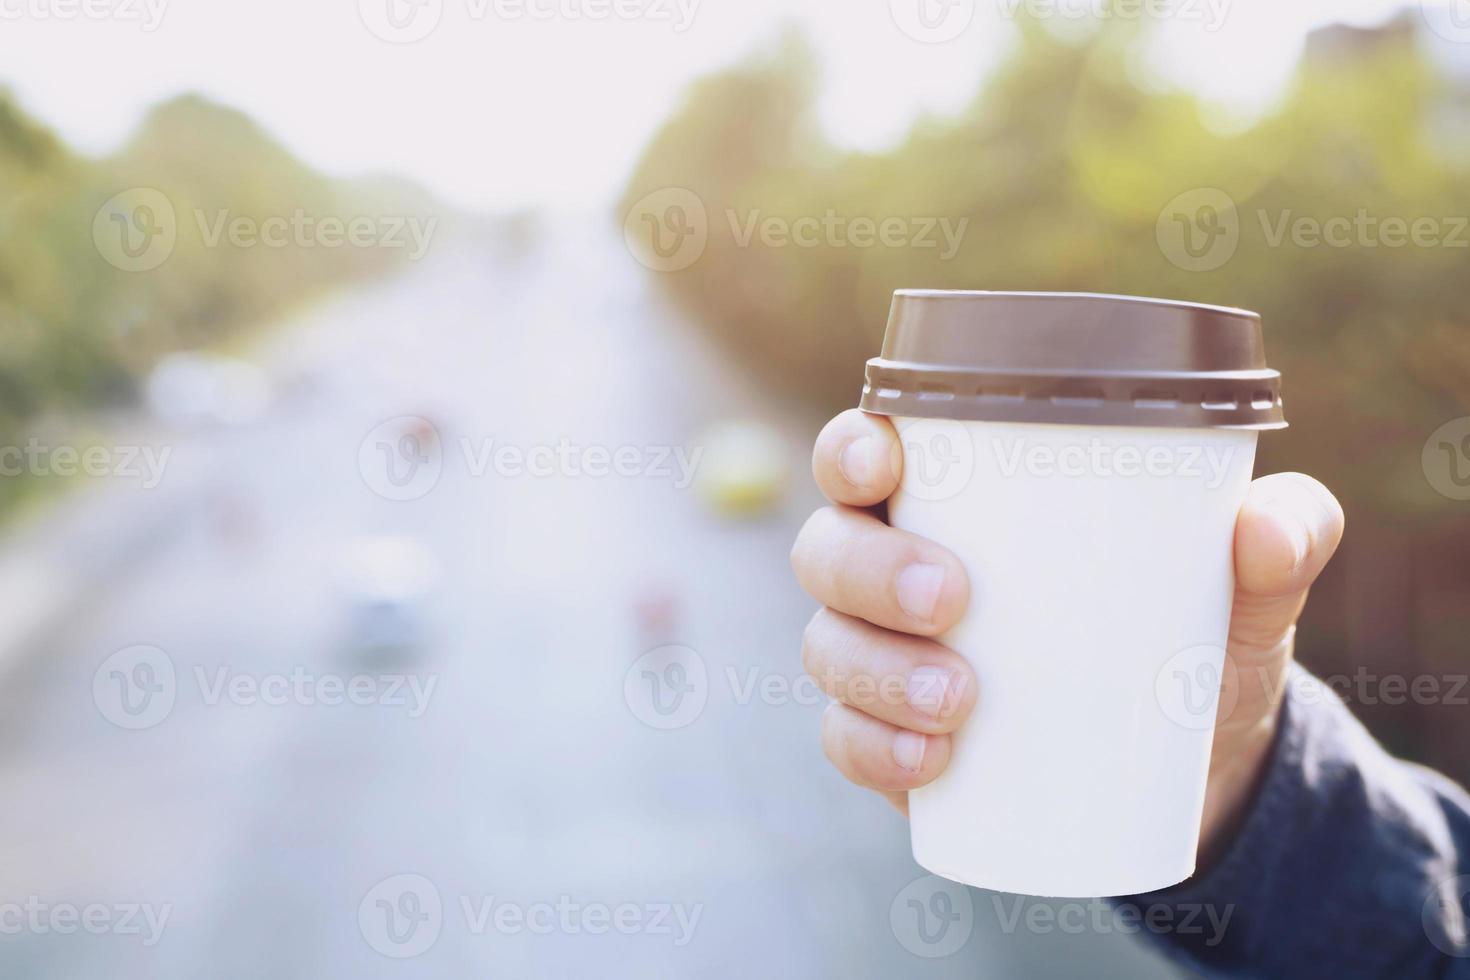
(1288, 529)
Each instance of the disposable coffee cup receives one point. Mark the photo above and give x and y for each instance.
(1085, 457)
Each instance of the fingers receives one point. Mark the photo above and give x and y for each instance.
(877, 755)
(858, 565)
(904, 680)
(1288, 529)
(857, 460)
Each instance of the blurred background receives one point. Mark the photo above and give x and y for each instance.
(404, 412)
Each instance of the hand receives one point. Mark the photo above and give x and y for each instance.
(898, 694)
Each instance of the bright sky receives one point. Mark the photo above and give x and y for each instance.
(514, 103)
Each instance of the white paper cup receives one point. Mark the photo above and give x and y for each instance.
(1065, 449)
(1101, 580)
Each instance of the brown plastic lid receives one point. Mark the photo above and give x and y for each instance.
(1073, 358)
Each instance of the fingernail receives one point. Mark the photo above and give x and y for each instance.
(908, 750)
(918, 589)
(927, 689)
(856, 462)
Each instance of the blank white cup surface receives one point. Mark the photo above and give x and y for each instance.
(1101, 575)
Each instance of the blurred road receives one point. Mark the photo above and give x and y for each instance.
(274, 836)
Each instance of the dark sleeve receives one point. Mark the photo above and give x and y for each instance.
(1351, 863)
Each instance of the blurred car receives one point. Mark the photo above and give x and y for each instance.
(193, 389)
(743, 469)
(388, 581)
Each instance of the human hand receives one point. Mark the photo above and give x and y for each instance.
(898, 694)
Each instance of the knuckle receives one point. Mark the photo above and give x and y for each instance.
(811, 640)
(808, 540)
(832, 740)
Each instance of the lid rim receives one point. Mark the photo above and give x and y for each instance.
(1005, 294)
(1073, 358)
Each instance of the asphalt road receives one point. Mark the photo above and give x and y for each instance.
(519, 797)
